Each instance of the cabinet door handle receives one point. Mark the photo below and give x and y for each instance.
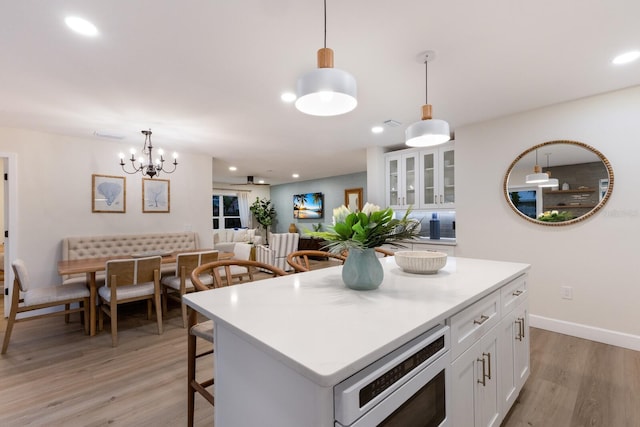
(435, 199)
(488, 363)
(519, 333)
(441, 199)
(517, 293)
(484, 372)
(521, 326)
(483, 319)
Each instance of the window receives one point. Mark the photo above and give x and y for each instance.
(225, 211)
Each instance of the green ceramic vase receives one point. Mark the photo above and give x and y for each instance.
(362, 270)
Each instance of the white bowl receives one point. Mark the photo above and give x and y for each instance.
(421, 262)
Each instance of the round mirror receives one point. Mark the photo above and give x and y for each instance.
(558, 183)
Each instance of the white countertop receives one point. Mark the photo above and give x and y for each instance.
(315, 325)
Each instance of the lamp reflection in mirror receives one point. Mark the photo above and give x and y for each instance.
(428, 131)
(537, 176)
(326, 91)
(551, 182)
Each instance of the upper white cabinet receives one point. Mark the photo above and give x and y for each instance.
(402, 178)
(421, 178)
(437, 177)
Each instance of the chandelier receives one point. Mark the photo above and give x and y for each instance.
(145, 163)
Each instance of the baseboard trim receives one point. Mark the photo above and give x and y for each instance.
(606, 336)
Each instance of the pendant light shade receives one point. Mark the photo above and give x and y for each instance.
(428, 131)
(537, 176)
(552, 182)
(326, 91)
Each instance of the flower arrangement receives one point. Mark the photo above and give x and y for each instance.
(555, 216)
(370, 228)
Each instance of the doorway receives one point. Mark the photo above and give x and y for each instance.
(8, 163)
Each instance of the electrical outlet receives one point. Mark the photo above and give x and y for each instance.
(566, 292)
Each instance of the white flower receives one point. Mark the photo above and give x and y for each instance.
(370, 208)
(339, 214)
(554, 212)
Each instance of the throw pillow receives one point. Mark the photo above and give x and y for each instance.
(240, 236)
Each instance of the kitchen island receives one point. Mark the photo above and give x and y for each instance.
(282, 344)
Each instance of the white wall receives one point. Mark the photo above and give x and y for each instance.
(54, 196)
(598, 256)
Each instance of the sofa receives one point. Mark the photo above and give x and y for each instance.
(225, 239)
(124, 245)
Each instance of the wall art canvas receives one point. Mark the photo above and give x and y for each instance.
(155, 196)
(108, 194)
(308, 206)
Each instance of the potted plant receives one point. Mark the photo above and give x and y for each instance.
(359, 233)
(265, 213)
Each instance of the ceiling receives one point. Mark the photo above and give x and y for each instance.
(206, 76)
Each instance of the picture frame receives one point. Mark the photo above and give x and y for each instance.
(108, 194)
(156, 195)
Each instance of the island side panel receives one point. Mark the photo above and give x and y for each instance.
(253, 388)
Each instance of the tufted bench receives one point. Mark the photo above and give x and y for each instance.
(124, 245)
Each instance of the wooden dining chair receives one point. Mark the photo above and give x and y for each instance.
(43, 297)
(204, 330)
(299, 260)
(382, 253)
(175, 286)
(130, 280)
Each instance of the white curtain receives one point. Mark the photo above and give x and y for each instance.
(246, 219)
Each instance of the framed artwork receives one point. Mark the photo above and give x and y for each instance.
(108, 194)
(155, 195)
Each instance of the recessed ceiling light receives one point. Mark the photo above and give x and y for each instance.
(377, 129)
(81, 26)
(233, 168)
(626, 57)
(261, 181)
(288, 97)
(295, 175)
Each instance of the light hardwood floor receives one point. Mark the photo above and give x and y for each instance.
(54, 375)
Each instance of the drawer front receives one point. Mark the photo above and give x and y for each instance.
(513, 293)
(469, 325)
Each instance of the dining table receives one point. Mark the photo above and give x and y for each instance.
(91, 266)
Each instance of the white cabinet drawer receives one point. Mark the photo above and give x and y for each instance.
(513, 293)
(473, 322)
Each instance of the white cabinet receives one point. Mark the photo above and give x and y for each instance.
(437, 177)
(421, 178)
(475, 384)
(402, 179)
(514, 354)
(490, 355)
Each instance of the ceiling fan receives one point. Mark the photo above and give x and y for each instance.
(250, 182)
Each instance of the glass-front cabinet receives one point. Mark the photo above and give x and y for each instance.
(402, 179)
(421, 178)
(437, 177)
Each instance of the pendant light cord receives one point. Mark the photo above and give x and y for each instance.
(325, 24)
(426, 82)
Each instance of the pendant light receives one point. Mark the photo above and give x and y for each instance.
(428, 131)
(552, 182)
(537, 176)
(326, 91)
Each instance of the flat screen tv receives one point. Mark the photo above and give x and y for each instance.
(308, 206)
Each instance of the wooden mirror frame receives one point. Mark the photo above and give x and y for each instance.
(351, 191)
(600, 204)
